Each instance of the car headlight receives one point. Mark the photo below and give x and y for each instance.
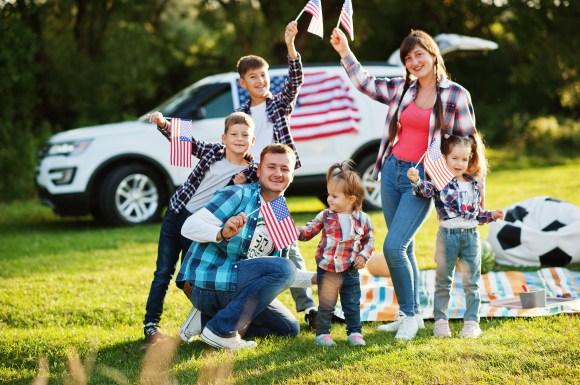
(67, 148)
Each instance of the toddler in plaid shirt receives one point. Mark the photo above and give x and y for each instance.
(346, 245)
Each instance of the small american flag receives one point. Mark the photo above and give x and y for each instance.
(279, 223)
(181, 142)
(436, 166)
(325, 106)
(314, 7)
(346, 18)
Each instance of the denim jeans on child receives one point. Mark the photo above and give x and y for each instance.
(330, 285)
(171, 243)
(454, 244)
(404, 214)
(252, 309)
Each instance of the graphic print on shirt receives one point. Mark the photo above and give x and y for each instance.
(261, 244)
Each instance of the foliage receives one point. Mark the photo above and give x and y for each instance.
(72, 63)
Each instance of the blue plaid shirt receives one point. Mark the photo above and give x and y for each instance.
(458, 111)
(213, 265)
(280, 106)
(448, 200)
(208, 154)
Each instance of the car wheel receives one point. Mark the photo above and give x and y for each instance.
(131, 195)
(372, 187)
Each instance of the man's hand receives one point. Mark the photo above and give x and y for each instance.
(498, 214)
(413, 174)
(157, 118)
(233, 226)
(339, 42)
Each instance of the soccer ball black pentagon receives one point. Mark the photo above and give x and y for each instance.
(538, 231)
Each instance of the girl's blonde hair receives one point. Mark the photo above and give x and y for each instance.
(343, 176)
(477, 166)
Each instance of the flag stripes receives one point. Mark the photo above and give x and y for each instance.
(181, 142)
(279, 223)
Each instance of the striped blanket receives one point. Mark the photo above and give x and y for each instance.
(499, 294)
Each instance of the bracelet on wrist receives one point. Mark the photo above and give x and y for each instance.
(223, 236)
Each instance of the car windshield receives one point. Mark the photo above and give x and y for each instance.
(177, 101)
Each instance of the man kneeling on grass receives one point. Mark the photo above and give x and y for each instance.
(234, 280)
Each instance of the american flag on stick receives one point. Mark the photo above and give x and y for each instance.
(325, 106)
(346, 18)
(181, 142)
(435, 164)
(314, 7)
(279, 223)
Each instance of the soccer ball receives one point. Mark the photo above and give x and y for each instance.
(538, 231)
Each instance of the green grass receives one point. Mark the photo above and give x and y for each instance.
(68, 285)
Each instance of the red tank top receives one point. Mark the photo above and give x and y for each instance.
(413, 133)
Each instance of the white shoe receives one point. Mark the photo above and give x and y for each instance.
(191, 327)
(420, 322)
(407, 329)
(393, 326)
(441, 328)
(471, 329)
(232, 343)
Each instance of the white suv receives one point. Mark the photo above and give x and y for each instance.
(120, 172)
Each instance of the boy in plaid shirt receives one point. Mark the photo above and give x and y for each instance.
(346, 245)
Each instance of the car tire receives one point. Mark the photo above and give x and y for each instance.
(364, 167)
(131, 195)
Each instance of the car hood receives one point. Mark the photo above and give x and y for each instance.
(124, 128)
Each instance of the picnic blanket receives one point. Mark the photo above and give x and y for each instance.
(499, 294)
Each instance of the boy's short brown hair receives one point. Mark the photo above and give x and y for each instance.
(238, 118)
(250, 62)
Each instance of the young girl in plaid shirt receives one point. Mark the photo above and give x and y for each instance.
(346, 245)
(459, 209)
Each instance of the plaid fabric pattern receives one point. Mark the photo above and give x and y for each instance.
(448, 200)
(280, 106)
(207, 153)
(212, 265)
(458, 113)
(359, 242)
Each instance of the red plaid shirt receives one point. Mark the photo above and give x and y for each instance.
(334, 254)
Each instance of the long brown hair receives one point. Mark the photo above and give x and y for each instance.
(425, 41)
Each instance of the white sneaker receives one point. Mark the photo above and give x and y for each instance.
(471, 329)
(191, 327)
(232, 343)
(420, 322)
(393, 326)
(407, 329)
(441, 328)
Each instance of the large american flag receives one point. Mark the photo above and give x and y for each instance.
(181, 142)
(435, 164)
(279, 223)
(346, 18)
(314, 7)
(325, 106)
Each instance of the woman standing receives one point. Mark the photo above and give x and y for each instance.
(422, 106)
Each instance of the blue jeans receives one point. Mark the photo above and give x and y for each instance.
(171, 244)
(404, 214)
(454, 244)
(302, 296)
(253, 309)
(330, 284)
